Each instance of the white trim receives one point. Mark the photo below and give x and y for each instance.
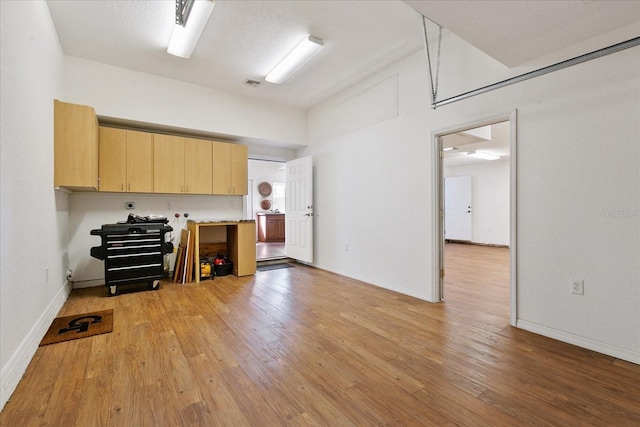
(437, 202)
(513, 216)
(609, 350)
(438, 231)
(247, 201)
(13, 371)
(369, 281)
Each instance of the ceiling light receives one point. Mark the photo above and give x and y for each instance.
(481, 155)
(191, 17)
(449, 148)
(306, 50)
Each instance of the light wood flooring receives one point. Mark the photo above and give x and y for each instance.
(304, 347)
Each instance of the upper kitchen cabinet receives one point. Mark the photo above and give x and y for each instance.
(168, 164)
(113, 159)
(230, 168)
(198, 169)
(126, 160)
(75, 146)
(239, 169)
(181, 165)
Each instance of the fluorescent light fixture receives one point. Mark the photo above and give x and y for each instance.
(481, 155)
(185, 37)
(449, 149)
(306, 50)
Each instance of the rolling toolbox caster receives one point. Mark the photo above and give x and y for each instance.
(113, 291)
(155, 285)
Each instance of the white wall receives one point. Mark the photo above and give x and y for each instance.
(490, 196)
(132, 95)
(578, 180)
(34, 218)
(372, 180)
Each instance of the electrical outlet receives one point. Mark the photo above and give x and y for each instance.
(577, 287)
(168, 206)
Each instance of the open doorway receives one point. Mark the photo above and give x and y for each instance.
(475, 189)
(266, 204)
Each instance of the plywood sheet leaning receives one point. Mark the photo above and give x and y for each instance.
(189, 259)
(182, 257)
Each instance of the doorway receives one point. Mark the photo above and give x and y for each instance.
(266, 204)
(483, 155)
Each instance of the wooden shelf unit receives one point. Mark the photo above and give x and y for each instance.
(241, 245)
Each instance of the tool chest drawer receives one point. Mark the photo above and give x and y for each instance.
(132, 253)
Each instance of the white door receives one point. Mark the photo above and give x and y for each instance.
(299, 209)
(457, 208)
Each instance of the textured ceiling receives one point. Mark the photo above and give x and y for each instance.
(244, 39)
(516, 32)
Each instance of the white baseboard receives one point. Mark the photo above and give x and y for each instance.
(609, 350)
(14, 369)
(370, 281)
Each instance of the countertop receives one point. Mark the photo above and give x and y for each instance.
(216, 221)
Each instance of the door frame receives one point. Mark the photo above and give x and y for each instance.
(437, 290)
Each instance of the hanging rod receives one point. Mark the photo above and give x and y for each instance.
(542, 71)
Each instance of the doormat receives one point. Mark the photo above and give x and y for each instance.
(79, 326)
(268, 267)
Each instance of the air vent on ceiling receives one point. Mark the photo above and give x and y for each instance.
(252, 82)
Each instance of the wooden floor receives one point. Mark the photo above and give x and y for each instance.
(304, 347)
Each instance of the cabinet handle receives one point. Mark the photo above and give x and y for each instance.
(187, 189)
(182, 188)
(129, 189)
(122, 186)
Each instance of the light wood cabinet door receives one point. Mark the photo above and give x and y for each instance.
(198, 168)
(168, 164)
(113, 159)
(139, 162)
(221, 168)
(75, 146)
(241, 244)
(281, 232)
(230, 163)
(239, 157)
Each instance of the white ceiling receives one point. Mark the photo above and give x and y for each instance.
(245, 39)
(498, 144)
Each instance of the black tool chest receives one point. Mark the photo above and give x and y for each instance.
(132, 253)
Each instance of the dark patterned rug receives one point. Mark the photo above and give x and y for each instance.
(268, 267)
